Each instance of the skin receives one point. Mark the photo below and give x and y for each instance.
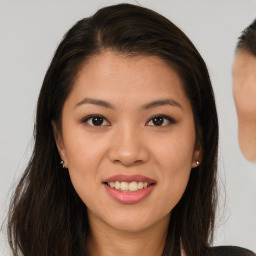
(244, 90)
(128, 143)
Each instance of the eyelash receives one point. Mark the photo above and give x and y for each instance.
(169, 119)
(88, 118)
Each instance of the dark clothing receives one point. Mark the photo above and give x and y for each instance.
(229, 251)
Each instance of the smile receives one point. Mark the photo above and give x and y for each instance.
(129, 189)
(128, 186)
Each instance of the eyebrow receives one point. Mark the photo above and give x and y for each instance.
(163, 102)
(150, 105)
(95, 102)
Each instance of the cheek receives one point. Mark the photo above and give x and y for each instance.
(84, 155)
(175, 175)
(83, 171)
(175, 161)
(176, 168)
(83, 150)
(176, 151)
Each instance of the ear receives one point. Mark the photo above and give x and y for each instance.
(59, 143)
(197, 156)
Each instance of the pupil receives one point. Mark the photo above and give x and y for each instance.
(97, 120)
(158, 121)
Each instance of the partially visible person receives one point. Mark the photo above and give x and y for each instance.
(244, 89)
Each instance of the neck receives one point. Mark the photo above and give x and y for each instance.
(105, 241)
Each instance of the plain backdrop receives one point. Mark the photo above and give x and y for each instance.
(29, 34)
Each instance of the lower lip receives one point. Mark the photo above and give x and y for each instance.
(129, 197)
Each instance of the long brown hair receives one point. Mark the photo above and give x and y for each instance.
(46, 215)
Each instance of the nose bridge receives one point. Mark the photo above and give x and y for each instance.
(128, 146)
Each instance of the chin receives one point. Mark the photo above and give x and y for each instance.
(130, 226)
(135, 222)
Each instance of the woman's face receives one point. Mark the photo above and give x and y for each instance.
(128, 140)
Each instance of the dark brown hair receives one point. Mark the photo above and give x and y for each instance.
(247, 40)
(46, 216)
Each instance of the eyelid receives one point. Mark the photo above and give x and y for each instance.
(168, 118)
(87, 118)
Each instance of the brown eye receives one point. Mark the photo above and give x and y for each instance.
(96, 120)
(160, 120)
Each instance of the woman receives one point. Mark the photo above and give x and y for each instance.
(244, 88)
(125, 152)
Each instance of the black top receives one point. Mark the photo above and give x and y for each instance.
(229, 251)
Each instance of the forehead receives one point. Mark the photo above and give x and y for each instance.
(244, 62)
(113, 66)
(119, 78)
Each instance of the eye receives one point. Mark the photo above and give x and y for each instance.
(160, 120)
(96, 120)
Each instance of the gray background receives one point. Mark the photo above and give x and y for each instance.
(29, 34)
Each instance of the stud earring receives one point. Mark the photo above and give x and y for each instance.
(197, 163)
(62, 163)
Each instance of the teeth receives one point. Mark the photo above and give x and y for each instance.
(117, 185)
(128, 186)
(124, 186)
(133, 186)
(140, 185)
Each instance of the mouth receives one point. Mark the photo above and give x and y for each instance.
(129, 189)
(128, 186)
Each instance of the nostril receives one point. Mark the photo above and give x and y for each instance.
(127, 155)
(127, 162)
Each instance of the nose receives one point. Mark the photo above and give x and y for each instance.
(128, 147)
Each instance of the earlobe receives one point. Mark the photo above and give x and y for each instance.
(198, 156)
(59, 143)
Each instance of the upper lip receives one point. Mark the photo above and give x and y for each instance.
(129, 178)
